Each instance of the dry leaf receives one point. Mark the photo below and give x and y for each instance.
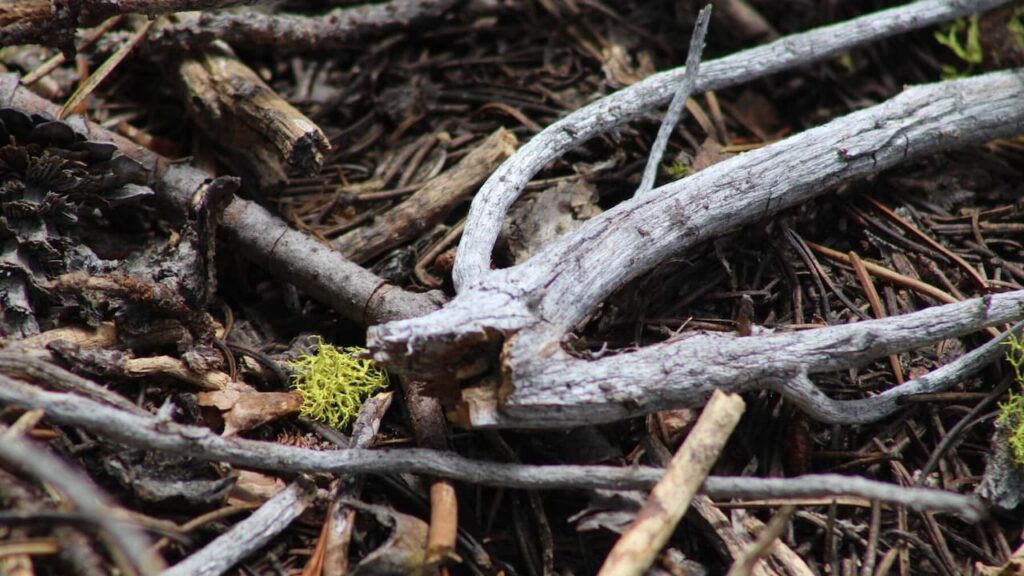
(254, 488)
(404, 552)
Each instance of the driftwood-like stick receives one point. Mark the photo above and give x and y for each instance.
(431, 203)
(257, 129)
(249, 535)
(151, 433)
(335, 29)
(531, 306)
(491, 204)
(657, 519)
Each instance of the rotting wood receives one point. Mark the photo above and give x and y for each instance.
(528, 308)
(259, 131)
(430, 204)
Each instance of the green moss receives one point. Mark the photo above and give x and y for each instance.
(963, 38)
(334, 383)
(1011, 412)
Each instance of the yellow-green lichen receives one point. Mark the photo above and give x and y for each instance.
(676, 170)
(1011, 412)
(334, 383)
(963, 38)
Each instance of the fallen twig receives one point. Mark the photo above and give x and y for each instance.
(152, 433)
(675, 108)
(337, 28)
(249, 535)
(127, 541)
(657, 519)
(430, 204)
(53, 22)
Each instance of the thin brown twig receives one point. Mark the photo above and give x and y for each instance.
(914, 230)
(876, 305)
(745, 563)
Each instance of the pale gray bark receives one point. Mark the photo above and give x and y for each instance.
(249, 535)
(506, 184)
(155, 433)
(531, 306)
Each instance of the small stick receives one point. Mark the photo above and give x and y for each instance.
(744, 565)
(654, 524)
(886, 274)
(876, 305)
(675, 109)
(59, 58)
(250, 534)
(104, 70)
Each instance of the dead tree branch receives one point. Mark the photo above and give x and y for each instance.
(491, 204)
(153, 433)
(53, 22)
(250, 534)
(528, 308)
(334, 29)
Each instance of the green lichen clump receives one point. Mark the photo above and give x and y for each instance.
(1011, 413)
(963, 38)
(334, 383)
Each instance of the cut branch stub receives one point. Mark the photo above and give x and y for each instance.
(540, 300)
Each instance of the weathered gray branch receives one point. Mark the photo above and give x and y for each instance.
(336, 28)
(546, 296)
(503, 187)
(153, 433)
(249, 535)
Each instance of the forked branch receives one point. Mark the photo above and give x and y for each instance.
(530, 307)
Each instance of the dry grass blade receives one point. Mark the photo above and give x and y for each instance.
(104, 70)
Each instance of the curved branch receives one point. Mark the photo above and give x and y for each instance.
(558, 286)
(491, 204)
